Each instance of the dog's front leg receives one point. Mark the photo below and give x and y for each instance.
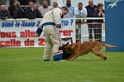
(70, 57)
(73, 57)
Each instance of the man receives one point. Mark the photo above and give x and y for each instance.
(39, 15)
(19, 12)
(55, 4)
(50, 22)
(44, 8)
(11, 7)
(70, 8)
(80, 11)
(30, 12)
(4, 14)
(98, 12)
(90, 13)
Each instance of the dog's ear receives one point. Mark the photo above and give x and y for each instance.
(62, 47)
(77, 46)
(74, 46)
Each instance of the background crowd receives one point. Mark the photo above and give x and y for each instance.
(32, 10)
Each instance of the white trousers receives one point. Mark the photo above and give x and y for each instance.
(52, 41)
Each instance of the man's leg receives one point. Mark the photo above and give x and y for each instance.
(56, 42)
(48, 46)
(55, 39)
(48, 50)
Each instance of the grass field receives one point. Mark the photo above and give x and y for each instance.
(26, 65)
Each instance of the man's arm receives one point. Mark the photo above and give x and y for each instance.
(38, 31)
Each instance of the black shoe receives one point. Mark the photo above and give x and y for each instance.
(46, 60)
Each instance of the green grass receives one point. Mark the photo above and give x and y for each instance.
(26, 65)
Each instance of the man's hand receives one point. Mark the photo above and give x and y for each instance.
(37, 35)
(6, 17)
(58, 26)
(38, 31)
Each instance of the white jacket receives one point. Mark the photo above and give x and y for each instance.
(53, 16)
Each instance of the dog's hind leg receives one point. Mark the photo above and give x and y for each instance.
(97, 51)
(100, 55)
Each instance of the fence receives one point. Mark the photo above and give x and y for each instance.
(90, 31)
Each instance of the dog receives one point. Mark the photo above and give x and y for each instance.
(80, 49)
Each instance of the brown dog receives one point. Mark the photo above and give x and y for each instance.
(79, 49)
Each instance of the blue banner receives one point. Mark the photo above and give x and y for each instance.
(114, 11)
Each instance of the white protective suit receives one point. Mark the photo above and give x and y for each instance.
(51, 32)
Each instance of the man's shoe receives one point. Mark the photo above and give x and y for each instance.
(46, 60)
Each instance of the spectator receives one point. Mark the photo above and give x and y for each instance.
(4, 14)
(70, 8)
(80, 11)
(55, 4)
(45, 7)
(30, 12)
(11, 8)
(98, 12)
(90, 13)
(19, 12)
(38, 14)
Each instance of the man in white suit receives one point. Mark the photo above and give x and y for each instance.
(50, 24)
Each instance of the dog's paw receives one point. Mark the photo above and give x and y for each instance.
(105, 58)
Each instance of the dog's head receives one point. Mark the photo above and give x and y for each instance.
(66, 48)
(70, 48)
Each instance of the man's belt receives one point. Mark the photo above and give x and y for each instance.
(39, 30)
(48, 23)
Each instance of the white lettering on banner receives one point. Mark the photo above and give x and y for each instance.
(22, 33)
(16, 24)
(67, 22)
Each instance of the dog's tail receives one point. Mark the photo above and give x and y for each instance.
(108, 45)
